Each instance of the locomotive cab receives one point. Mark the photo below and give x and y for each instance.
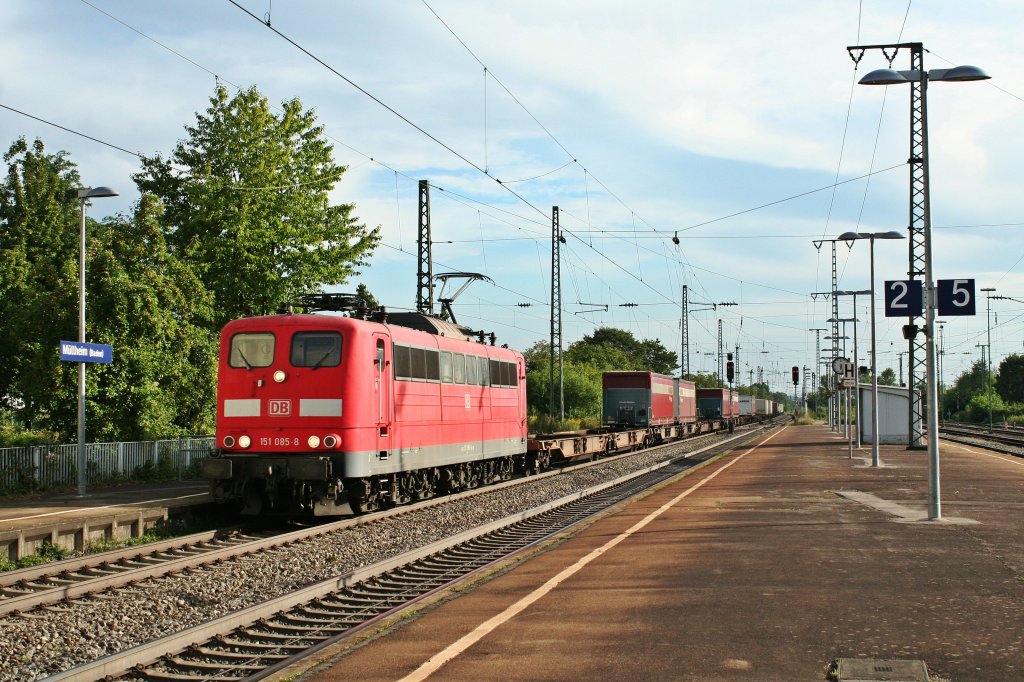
(286, 413)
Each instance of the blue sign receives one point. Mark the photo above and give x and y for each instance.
(76, 351)
(904, 298)
(955, 297)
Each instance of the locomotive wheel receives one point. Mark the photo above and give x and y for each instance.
(474, 474)
(424, 484)
(364, 495)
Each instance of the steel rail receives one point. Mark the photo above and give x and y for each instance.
(26, 589)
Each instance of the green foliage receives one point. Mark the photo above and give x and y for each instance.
(581, 388)
(38, 280)
(705, 380)
(1010, 380)
(163, 386)
(363, 292)
(108, 544)
(251, 208)
(616, 349)
(957, 400)
(21, 479)
(162, 471)
(887, 377)
(141, 299)
(14, 437)
(977, 409)
(45, 554)
(542, 423)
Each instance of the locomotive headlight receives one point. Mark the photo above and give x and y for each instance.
(313, 441)
(279, 376)
(331, 441)
(244, 442)
(229, 441)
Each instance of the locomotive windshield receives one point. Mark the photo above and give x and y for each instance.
(316, 349)
(252, 350)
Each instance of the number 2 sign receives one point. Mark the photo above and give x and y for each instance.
(904, 298)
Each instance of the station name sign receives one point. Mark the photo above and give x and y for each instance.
(76, 351)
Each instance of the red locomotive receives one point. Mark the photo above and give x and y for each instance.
(338, 415)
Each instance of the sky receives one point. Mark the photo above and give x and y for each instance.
(736, 126)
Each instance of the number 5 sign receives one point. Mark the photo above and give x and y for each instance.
(955, 297)
(904, 298)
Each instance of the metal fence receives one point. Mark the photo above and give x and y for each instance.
(55, 467)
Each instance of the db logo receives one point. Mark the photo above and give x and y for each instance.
(279, 408)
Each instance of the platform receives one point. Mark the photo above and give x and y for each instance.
(68, 521)
(773, 562)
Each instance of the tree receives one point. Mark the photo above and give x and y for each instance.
(969, 384)
(618, 349)
(154, 311)
(363, 292)
(581, 389)
(246, 202)
(704, 380)
(38, 278)
(140, 299)
(1010, 380)
(887, 377)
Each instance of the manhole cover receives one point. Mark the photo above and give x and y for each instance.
(881, 670)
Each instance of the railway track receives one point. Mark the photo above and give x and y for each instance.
(28, 588)
(52, 583)
(1009, 441)
(255, 641)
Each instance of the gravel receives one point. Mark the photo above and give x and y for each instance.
(50, 640)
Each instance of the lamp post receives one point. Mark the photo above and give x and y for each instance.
(846, 392)
(941, 352)
(988, 343)
(856, 354)
(920, 198)
(871, 237)
(84, 194)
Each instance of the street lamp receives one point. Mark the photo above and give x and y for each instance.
(856, 355)
(942, 352)
(920, 198)
(871, 237)
(84, 194)
(988, 371)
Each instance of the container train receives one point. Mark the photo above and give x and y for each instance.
(329, 415)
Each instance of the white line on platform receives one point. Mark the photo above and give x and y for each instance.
(435, 662)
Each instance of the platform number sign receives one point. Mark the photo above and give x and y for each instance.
(904, 298)
(955, 297)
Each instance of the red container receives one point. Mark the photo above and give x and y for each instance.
(646, 399)
(718, 403)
